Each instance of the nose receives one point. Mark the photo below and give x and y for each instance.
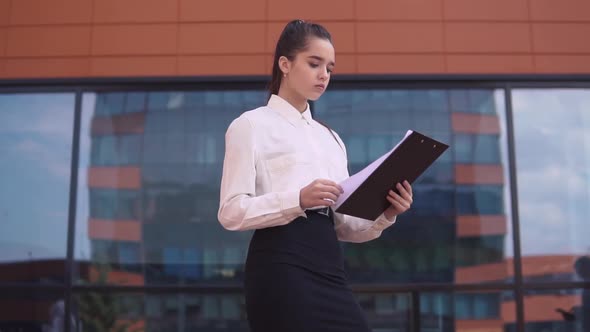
(324, 74)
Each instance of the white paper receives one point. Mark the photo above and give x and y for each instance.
(352, 183)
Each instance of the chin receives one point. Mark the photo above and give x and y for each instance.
(314, 96)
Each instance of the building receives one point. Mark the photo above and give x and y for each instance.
(112, 121)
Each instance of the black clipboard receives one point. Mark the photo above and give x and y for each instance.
(406, 161)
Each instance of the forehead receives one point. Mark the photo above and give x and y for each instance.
(320, 47)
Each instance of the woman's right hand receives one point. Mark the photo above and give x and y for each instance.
(320, 192)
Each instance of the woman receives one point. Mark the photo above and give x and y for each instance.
(280, 177)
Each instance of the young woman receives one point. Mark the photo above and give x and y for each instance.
(280, 177)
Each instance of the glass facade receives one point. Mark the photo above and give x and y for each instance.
(144, 250)
(35, 159)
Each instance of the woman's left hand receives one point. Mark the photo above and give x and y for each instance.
(399, 203)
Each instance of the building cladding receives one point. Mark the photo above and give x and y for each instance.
(151, 157)
(86, 38)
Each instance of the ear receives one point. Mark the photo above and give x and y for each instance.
(284, 64)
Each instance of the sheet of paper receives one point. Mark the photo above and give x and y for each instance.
(352, 183)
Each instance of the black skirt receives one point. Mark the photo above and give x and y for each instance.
(295, 280)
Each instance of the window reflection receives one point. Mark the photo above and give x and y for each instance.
(470, 311)
(171, 312)
(35, 157)
(552, 137)
(557, 310)
(459, 225)
(150, 167)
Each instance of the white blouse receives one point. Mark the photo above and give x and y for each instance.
(271, 153)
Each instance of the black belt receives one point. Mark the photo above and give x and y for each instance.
(326, 211)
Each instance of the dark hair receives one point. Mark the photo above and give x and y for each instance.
(294, 39)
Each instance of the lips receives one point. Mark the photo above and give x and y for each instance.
(321, 86)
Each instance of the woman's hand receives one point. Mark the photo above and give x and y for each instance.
(399, 203)
(320, 192)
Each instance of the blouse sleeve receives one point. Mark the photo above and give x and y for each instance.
(240, 208)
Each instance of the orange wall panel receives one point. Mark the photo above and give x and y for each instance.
(311, 9)
(224, 65)
(387, 37)
(484, 273)
(539, 308)
(399, 9)
(547, 265)
(479, 325)
(48, 41)
(5, 12)
(222, 38)
(479, 174)
(561, 37)
(345, 64)
(563, 63)
(475, 123)
(407, 63)
(131, 123)
(486, 10)
(45, 67)
(480, 225)
(133, 66)
(3, 33)
(487, 37)
(50, 12)
(118, 277)
(484, 63)
(78, 38)
(532, 266)
(141, 39)
(563, 10)
(273, 31)
(114, 177)
(114, 230)
(343, 35)
(134, 11)
(222, 10)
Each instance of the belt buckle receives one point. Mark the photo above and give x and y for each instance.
(325, 211)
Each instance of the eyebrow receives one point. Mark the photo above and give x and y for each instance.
(319, 58)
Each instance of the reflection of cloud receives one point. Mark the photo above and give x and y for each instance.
(35, 139)
(48, 115)
(555, 179)
(552, 132)
(550, 215)
(46, 155)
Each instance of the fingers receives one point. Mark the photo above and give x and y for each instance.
(327, 190)
(405, 203)
(408, 187)
(398, 206)
(320, 192)
(330, 184)
(327, 195)
(404, 192)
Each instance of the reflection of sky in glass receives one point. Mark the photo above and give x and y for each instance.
(82, 242)
(499, 100)
(552, 133)
(35, 155)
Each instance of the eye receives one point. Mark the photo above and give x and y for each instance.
(313, 65)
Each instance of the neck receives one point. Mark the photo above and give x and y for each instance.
(296, 100)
